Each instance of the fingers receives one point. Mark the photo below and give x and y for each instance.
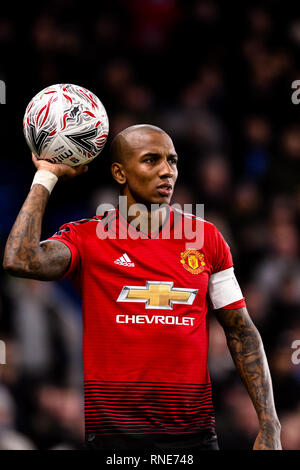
(35, 160)
(81, 169)
(61, 170)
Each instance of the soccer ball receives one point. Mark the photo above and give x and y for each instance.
(66, 123)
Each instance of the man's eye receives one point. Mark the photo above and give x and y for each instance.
(150, 160)
(173, 161)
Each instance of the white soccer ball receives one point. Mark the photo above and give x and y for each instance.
(66, 123)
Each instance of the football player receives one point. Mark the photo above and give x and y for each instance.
(145, 291)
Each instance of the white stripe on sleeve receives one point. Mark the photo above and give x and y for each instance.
(223, 288)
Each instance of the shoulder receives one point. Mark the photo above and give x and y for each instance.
(89, 221)
(195, 221)
(85, 226)
(204, 234)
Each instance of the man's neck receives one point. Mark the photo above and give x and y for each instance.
(145, 219)
(149, 221)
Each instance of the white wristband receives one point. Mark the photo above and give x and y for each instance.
(45, 178)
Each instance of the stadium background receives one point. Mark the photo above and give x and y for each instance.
(217, 77)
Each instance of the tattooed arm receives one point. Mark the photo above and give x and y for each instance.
(248, 354)
(24, 255)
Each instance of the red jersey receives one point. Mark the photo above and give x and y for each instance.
(145, 326)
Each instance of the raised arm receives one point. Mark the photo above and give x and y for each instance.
(248, 354)
(25, 255)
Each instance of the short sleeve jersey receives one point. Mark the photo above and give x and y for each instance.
(145, 324)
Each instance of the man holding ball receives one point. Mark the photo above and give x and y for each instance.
(145, 300)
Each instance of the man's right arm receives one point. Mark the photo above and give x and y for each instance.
(25, 255)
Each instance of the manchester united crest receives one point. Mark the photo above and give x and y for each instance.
(192, 261)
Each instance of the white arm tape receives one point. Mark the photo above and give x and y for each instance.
(46, 179)
(224, 289)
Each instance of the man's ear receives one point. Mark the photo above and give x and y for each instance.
(118, 172)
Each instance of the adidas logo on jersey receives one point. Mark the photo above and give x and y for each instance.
(124, 260)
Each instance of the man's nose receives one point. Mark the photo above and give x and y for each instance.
(165, 170)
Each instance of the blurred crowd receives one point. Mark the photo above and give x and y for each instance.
(218, 78)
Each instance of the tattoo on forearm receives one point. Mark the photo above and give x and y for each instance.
(248, 354)
(23, 253)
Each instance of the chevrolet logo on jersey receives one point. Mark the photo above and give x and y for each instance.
(158, 295)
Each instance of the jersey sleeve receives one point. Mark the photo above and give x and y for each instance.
(67, 235)
(222, 254)
(223, 288)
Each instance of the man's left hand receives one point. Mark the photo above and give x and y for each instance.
(268, 438)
